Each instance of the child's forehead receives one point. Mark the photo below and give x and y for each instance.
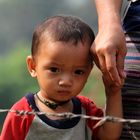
(51, 44)
(64, 49)
(64, 53)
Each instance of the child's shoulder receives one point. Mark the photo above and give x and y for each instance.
(91, 110)
(90, 106)
(22, 104)
(85, 101)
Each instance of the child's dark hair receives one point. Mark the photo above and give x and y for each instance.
(62, 28)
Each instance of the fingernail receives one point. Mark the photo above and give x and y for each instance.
(124, 74)
(117, 83)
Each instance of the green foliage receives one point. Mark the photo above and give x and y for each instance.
(94, 88)
(15, 80)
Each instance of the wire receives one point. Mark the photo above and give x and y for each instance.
(69, 115)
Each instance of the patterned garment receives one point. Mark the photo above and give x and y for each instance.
(131, 89)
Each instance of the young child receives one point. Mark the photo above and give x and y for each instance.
(61, 61)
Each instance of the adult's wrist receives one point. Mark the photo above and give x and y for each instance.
(110, 21)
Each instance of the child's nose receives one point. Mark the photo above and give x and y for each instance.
(66, 80)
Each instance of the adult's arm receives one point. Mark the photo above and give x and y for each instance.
(109, 48)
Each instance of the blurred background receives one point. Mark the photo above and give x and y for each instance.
(18, 19)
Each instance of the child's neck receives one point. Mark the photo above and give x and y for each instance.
(66, 107)
(50, 104)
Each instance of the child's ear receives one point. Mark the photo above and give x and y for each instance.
(31, 65)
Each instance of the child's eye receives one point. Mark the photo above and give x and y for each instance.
(54, 69)
(79, 72)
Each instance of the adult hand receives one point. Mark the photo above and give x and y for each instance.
(109, 50)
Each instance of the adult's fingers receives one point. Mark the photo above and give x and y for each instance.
(104, 69)
(111, 66)
(94, 54)
(120, 65)
(106, 62)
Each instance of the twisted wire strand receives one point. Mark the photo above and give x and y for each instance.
(69, 115)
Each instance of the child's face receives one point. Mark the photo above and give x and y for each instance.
(61, 69)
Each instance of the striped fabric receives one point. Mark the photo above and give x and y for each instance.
(131, 89)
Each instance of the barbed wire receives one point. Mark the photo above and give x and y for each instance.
(69, 115)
